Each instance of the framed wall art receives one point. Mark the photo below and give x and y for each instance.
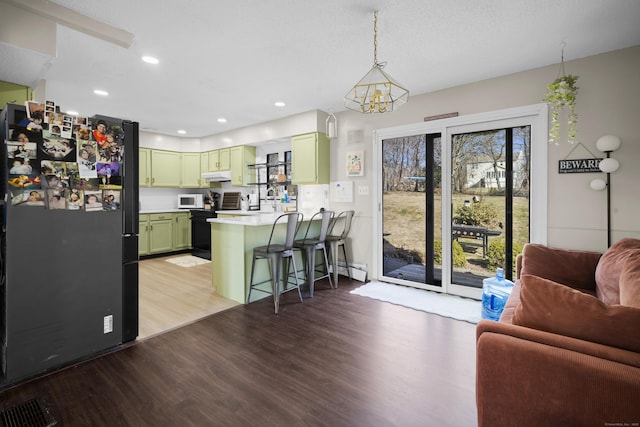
(355, 163)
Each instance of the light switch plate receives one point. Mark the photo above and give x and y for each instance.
(363, 190)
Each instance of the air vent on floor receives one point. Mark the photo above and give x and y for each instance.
(32, 413)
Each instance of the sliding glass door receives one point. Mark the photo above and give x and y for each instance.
(457, 198)
(490, 202)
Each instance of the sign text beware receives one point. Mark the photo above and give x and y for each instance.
(579, 166)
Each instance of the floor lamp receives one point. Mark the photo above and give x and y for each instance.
(607, 144)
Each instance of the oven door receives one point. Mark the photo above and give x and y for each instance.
(201, 233)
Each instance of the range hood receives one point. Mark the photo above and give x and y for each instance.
(217, 176)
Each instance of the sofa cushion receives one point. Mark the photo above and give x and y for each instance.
(630, 281)
(571, 267)
(610, 267)
(559, 309)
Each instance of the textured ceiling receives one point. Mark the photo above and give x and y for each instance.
(235, 58)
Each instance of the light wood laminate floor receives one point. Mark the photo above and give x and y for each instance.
(172, 296)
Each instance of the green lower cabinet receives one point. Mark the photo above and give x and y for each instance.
(181, 231)
(163, 233)
(160, 233)
(143, 235)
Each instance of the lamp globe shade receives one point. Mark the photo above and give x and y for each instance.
(598, 184)
(608, 143)
(609, 165)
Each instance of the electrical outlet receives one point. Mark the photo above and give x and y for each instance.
(363, 190)
(108, 323)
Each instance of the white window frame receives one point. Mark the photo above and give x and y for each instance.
(535, 116)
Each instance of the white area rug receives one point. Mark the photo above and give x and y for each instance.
(459, 308)
(187, 261)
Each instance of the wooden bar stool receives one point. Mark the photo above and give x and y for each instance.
(336, 238)
(278, 254)
(309, 245)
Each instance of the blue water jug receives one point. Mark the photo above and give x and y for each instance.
(495, 292)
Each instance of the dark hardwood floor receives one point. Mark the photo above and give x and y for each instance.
(335, 360)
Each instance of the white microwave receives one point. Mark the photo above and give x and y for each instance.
(190, 201)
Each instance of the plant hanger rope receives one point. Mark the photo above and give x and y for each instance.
(561, 70)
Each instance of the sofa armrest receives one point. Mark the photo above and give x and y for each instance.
(526, 377)
(602, 351)
(573, 268)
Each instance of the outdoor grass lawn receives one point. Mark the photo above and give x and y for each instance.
(404, 220)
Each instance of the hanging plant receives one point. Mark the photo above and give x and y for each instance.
(560, 94)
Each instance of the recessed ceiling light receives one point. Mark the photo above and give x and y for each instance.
(222, 120)
(101, 92)
(182, 131)
(150, 60)
(279, 104)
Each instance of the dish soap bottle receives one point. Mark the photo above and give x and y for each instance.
(495, 292)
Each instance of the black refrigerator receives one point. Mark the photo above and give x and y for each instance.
(69, 247)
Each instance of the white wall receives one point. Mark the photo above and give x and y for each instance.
(276, 130)
(608, 103)
(172, 143)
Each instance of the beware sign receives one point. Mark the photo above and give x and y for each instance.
(579, 166)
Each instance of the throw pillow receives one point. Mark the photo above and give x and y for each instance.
(630, 281)
(572, 267)
(609, 269)
(559, 309)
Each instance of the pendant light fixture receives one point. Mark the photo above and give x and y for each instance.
(376, 92)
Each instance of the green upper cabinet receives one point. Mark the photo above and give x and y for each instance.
(310, 159)
(190, 170)
(241, 156)
(204, 167)
(219, 160)
(11, 93)
(225, 159)
(213, 161)
(145, 167)
(165, 168)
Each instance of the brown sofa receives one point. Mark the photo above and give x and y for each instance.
(560, 355)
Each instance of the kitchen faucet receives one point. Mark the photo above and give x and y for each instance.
(274, 193)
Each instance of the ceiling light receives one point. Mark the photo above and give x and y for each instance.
(150, 60)
(222, 120)
(72, 113)
(376, 92)
(101, 92)
(182, 131)
(279, 104)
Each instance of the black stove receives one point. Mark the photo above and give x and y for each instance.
(201, 232)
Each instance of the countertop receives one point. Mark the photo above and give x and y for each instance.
(241, 212)
(252, 220)
(257, 219)
(152, 211)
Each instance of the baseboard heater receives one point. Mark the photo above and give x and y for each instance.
(358, 271)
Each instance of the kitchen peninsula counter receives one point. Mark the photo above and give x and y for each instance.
(232, 243)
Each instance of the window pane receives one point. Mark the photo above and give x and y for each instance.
(490, 202)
